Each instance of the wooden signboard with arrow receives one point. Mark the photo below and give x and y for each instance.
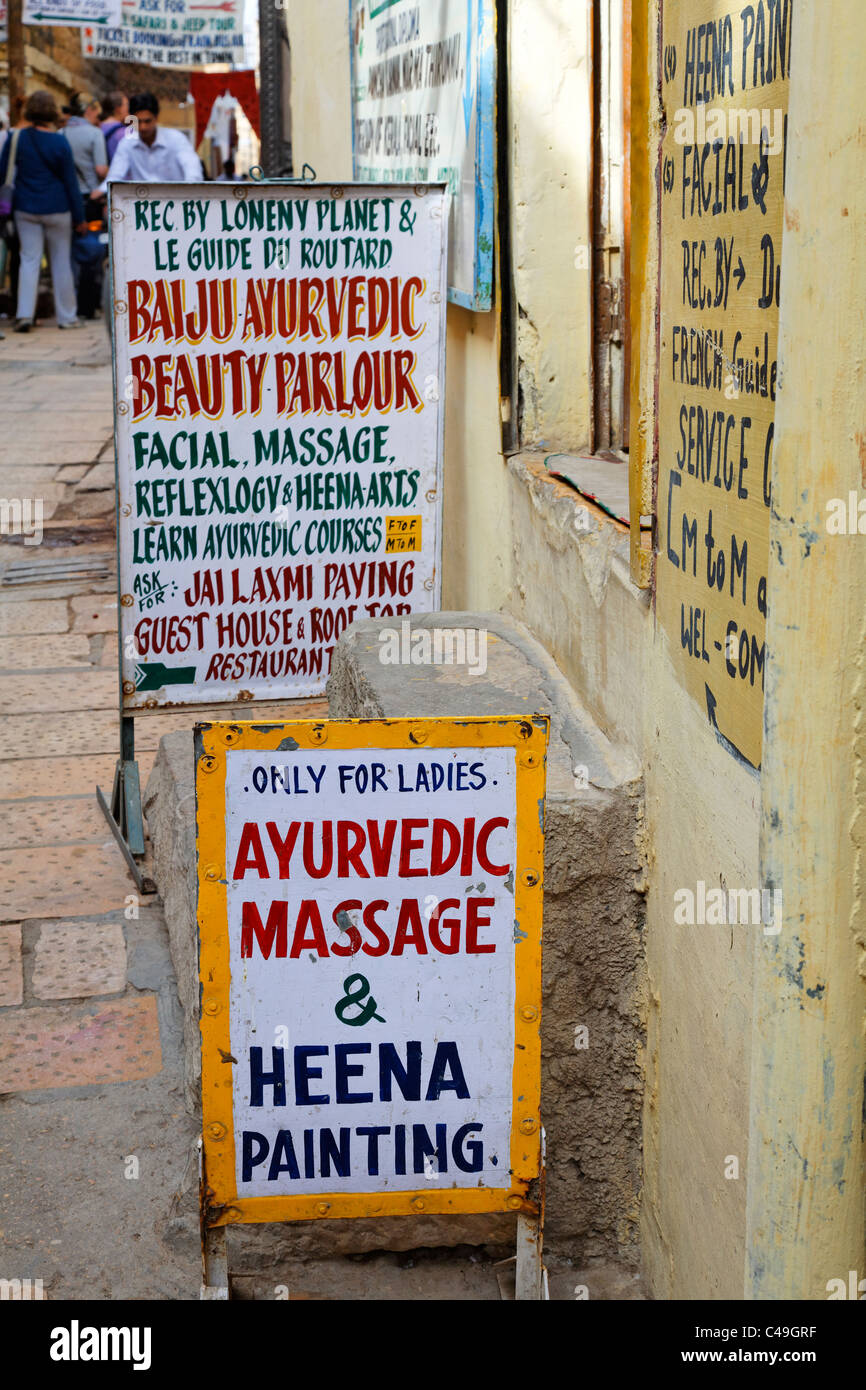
(725, 92)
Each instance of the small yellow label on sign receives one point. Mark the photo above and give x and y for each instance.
(402, 533)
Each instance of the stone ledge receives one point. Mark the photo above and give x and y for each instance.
(521, 678)
(601, 543)
(593, 971)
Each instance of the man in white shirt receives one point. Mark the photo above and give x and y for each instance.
(153, 153)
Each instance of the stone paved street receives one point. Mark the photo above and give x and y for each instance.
(95, 1139)
(96, 1145)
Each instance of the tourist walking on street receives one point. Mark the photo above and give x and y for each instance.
(91, 165)
(153, 153)
(115, 109)
(47, 204)
(88, 147)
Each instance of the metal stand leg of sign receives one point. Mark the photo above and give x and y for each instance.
(124, 814)
(523, 1277)
(214, 1259)
(214, 1264)
(529, 1276)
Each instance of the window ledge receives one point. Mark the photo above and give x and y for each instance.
(601, 541)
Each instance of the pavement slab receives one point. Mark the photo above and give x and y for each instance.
(44, 447)
(52, 778)
(19, 479)
(94, 613)
(71, 472)
(73, 960)
(32, 618)
(94, 504)
(69, 690)
(51, 652)
(100, 477)
(79, 1044)
(11, 969)
(65, 881)
(58, 736)
(62, 820)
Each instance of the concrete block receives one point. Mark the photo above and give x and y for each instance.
(593, 965)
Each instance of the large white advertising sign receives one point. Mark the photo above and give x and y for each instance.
(279, 360)
(165, 33)
(377, 901)
(423, 108)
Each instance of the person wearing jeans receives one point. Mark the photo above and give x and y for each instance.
(47, 204)
(35, 232)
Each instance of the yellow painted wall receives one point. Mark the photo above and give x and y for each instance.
(321, 106)
(510, 543)
(551, 145)
(807, 1197)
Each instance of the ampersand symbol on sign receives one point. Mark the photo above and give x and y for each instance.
(761, 172)
(357, 988)
(407, 219)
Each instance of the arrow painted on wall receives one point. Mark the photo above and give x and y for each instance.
(153, 675)
(740, 273)
(712, 702)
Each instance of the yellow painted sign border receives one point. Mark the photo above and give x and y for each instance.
(528, 737)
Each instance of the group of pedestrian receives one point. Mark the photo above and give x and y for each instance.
(54, 170)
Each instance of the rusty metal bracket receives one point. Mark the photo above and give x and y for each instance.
(123, 813)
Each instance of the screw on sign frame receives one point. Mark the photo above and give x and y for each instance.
(230, 757)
